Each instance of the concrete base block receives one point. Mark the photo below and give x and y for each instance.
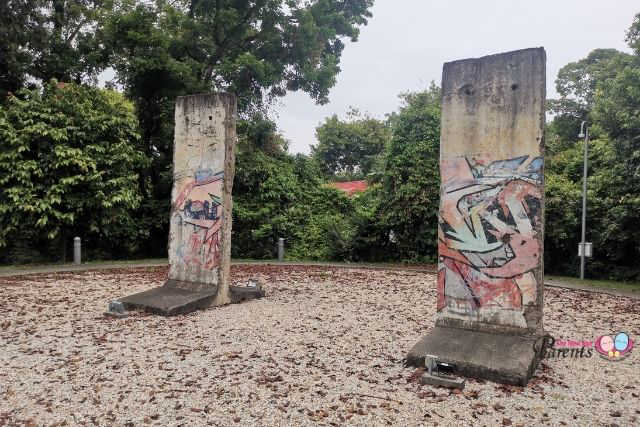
(245, 293)
(509, 359)
(116, 309)
(183, 297)
(442, 381)
(116, 315)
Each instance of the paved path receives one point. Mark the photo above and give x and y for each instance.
(59, 268)
(56, 268)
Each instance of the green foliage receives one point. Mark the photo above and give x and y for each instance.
(72, 49)
(578, 84)
(613, 220)
(369, 234)
(277, 195)
(617, 112)
(68, 166)
(579, 80)
(249, 47)
(604, 90)
(611, 212)
(168, 48)
(257, 50)
(396, 218)
(563, 198)
(633, 35)
(411, 178)
(21, 34)
(617, 108)
(280, 195)
(45, 39)
(347, 150)
(82, 161)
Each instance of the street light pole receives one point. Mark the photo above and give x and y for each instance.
(584, 133)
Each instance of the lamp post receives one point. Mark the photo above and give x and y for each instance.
(584, 133)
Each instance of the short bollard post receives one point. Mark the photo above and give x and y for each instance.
(280, 249)
(77, 251)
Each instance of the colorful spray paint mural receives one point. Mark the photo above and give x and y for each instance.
(199, 236)
(488, 237)
(491, 218)
(491, 221)
(198, 214)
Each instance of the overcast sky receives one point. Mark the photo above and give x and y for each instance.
(406, 42)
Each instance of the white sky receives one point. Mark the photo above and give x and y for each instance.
(407, 41)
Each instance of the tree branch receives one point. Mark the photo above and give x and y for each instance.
(221, 47)
(74, 33)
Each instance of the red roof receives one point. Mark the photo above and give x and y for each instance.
(350, 187)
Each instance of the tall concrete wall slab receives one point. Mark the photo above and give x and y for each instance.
(491, 218)
(200, 224)
(200, 228)
(490, 236)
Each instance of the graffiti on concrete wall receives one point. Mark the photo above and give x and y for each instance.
(489, 235)
(198, 215)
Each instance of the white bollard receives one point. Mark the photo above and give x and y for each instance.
(77, 251)
(281, 249)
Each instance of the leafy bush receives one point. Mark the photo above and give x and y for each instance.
(68, 163)
(411, 177)
(280, 195)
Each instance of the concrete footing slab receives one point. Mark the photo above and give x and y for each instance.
(508, 359)
(245, 293)
(182, 297)
(442, 381)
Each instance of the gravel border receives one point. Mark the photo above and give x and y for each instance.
(324, 347)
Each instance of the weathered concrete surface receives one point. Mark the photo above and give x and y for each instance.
(491, 218)
(503, 358)
(169, 300)
(442, 381)
(201, 205)
(116, 309)
(490, 237)
(203, 170)
(178, 298)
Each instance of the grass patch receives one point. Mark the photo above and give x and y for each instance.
(593, 283)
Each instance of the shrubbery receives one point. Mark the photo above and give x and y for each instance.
(69, 165)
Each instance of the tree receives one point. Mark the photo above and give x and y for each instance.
(22, 34)
(68, 166)
(74, 49)
(45, 39)
(253, 49)
(348, 149)
(579, 80)
(633, 35)
(563, 207)
(258, 50)
(617, 108)
(612, 206)
(577, 83)
(280, 195)
(604, 90)
(411, 178)
(617, 112)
